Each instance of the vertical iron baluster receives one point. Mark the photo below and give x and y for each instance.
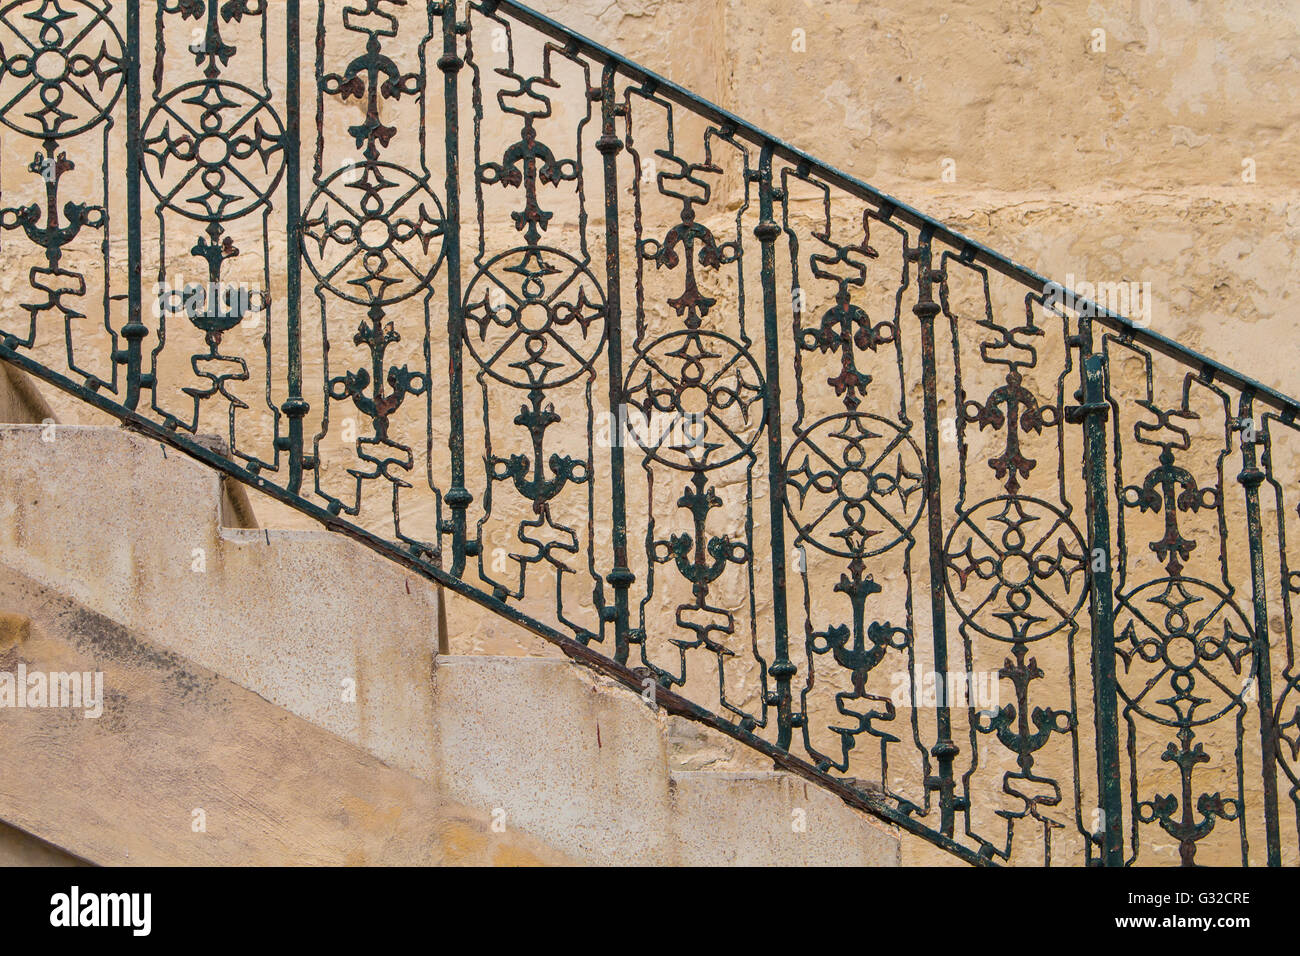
(1099, 399)
(458, 496)
(782, 669)
(135, 330)
(945, 750)
(1094, 412)
(1251, 477)
(295, 407)
(620, 576)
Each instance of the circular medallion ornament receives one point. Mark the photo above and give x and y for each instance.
(1287, 721)
(695, 400)
(1016, 570)
(1187, 648)
(855, 485)
(213, 150)
(535, 318)
(63, 74)
(374, 234)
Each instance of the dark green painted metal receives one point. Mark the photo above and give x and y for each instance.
(654, 314)
(1251, 477)
(1094, 412)
(580, 653)
(1180, 644)
(295, 407)
(620, 576)
(135, 329)
(459, 498)
(969, 248)
(782, 669)
(945, 749)
(1273, 429)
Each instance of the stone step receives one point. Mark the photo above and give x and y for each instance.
(185, 767)
(582, 763)
(347, 642)
(308, 619)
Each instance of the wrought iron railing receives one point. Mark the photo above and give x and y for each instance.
(715, 418)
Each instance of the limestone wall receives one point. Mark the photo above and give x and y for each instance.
(1140, 142)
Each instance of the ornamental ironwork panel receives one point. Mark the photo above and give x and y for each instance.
(789, 458)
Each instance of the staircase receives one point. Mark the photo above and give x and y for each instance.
(750, 467)
(288, 686)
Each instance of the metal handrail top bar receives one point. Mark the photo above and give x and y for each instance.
(971, 249)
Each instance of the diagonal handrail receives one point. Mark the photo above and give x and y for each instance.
(893, 208)
(664, 698)
(995, 599)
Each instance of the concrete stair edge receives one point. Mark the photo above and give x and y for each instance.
(482, 754)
